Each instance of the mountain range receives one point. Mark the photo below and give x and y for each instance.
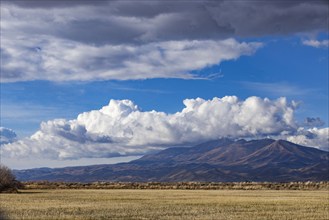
(221, 160)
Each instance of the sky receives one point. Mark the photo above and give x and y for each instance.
(90, 82)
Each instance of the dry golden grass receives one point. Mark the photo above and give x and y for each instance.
(165, 204)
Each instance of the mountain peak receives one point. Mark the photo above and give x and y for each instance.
(217, 160)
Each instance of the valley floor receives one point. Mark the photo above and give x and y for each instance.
(165, 204)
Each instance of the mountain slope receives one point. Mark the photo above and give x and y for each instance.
(220, 160)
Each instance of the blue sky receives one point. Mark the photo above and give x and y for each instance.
(282, 67)
(156, 57)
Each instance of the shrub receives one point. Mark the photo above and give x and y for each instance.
(8, 182)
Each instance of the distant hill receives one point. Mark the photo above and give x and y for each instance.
(221, 160)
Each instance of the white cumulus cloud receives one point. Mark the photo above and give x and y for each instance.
(122, 128)
(312, 137)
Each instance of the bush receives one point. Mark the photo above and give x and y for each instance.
(8, 182)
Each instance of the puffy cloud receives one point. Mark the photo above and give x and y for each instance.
(316, 43)
(318, 137)
(7, 136)
(88, 40)
(63, 60)
(121, 128)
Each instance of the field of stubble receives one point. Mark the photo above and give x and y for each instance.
(165, 204)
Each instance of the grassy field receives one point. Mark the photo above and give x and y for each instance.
(165, 204)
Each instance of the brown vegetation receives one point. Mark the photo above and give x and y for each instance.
(181, 185)
(8, 182)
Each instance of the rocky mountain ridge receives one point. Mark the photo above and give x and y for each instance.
(221, 160)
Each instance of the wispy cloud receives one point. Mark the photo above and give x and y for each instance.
(278, 88)
(316, 43)
(141, 90)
